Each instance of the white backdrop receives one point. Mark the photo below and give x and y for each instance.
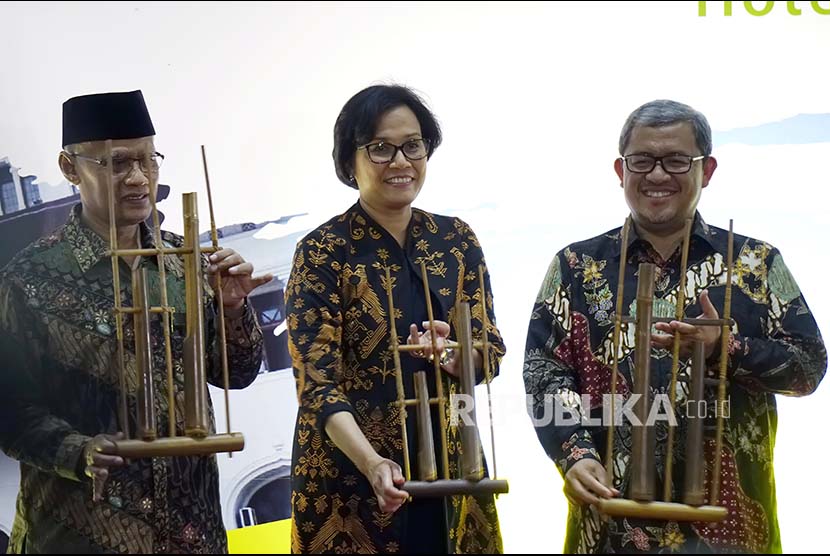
(531, 98)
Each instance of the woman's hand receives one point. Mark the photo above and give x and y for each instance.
(424, 339)
(385, 476)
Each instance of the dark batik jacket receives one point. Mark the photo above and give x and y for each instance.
(59, 374)
(774, 348)
(339, 339)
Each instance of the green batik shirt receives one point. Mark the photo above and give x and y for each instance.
(59, 386)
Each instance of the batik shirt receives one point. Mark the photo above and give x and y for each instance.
(774, 348)
(340, 342)
(60, 387)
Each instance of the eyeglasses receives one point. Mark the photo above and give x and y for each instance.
(383, 152)
(671, 163)
(122, 165)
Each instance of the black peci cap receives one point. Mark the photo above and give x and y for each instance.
(103, 116)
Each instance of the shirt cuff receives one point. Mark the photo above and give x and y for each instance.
(68, 461)
(578, 447)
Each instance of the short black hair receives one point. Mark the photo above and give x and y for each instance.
(358, 121)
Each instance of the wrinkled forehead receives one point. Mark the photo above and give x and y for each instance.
(120, 147)
(673, 138)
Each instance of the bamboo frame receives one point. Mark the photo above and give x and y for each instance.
(642, 496)
(471, 480)
(197, 439)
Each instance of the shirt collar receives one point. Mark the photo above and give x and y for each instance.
(88, 247)
(700, 229)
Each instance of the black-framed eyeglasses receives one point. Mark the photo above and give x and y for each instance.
(383, 152)
(122, 165)
(671, 163)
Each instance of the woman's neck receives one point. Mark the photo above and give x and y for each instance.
(393, 221)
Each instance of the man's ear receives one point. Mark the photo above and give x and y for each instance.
(618, 168)
(709, 167)
(67, 166)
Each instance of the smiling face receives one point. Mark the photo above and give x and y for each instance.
(132, 183)
(391, 186)
(661, 202)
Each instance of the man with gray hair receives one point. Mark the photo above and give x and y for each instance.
(774, 347)
(59, 380)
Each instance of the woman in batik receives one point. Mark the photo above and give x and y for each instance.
(348, 448)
